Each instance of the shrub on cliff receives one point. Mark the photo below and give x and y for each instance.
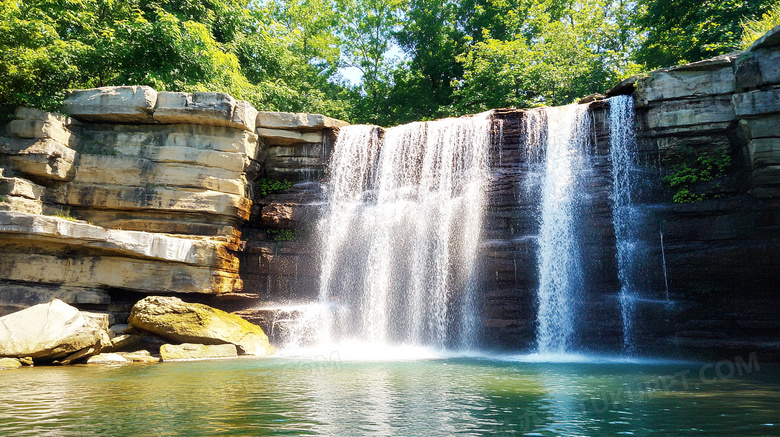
(756, 28)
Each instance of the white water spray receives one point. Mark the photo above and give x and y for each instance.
(560, 270)
(623, 155)
(400, 234)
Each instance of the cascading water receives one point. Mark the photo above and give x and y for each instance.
(560, 270)
(400, 233)
(622, 154)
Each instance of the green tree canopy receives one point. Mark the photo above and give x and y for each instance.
(458, 56)
(681, 31)
(554, 55)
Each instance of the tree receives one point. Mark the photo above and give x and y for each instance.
(753, 29)
(556, 55)
(682, 31)
(368, 27)
(48, 46)
(36, 65)
(307, 32)
(431, 36)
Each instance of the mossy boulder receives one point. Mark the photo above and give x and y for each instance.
(178, 321)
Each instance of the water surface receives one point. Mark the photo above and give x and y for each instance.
(329, 395)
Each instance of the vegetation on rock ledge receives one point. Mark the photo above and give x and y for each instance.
(753, 29)
(685, 176)
(65, 214)
(282, 235)
(270, 186)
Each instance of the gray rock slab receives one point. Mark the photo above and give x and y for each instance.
(115, 104)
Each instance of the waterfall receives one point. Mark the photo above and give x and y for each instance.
(663, 264)
(400, 232)
(623, 155)
(560, 270)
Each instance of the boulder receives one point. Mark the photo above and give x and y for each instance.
(44, 158)
(49, 331)
(190, 351)
(279, 137)
(78, 356)
(10, 363)
(171, 318)
(142, 356)
(118, 104)
(116, 330)
(107, 358)
(204, 108)
(126, 343)
(297, 121)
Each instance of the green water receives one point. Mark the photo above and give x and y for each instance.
(328, 396)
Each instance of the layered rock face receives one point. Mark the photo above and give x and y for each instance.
(138, 192)
(509, 253)
(708, 137)
(721, 252)
(280, 259)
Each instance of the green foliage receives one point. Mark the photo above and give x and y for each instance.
(2, 199)
(48, 46)
(753, 29)
(282, 235)
(431, 36)
(64, 213)
(680, 31)
(367, 35)
(704, 168)
(270, 186)
(555, 54)
(459, 56)
(36, 65)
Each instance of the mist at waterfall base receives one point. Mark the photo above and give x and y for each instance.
(399, 240)
(400, 234)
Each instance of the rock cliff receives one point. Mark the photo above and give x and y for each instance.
(137, 192)
(709, 209)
